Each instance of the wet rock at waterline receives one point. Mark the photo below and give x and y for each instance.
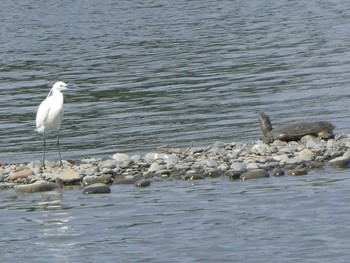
(278, 172)
(125, 181)
(38, 186)
(297, 172)
(254, 174)
(340, 162)
(93, 179)
(143, 183)
(97, 188)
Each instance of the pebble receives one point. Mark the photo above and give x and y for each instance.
(69, 177)
(122, 159)
(135, 158)
(155, 167)
(21, 174)
(306, 154)
(213, 174)
(97, 188)
(106, 170)
(297, 172)
(93, 179)
(108, 164)
(194, 175)
(260, 149)
(252, 166)
(51, 177)
(238, 166)
(281, 158)
(254, 174)
(278, 172)
(314, 145)
(307, 138)
(151, 157)
(171, 159)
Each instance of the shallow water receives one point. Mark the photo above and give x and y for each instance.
(147, 73)
(276, 219)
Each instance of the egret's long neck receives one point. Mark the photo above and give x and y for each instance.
(56, 93)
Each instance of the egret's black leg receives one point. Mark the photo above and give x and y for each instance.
(44, 146)
(58, 146)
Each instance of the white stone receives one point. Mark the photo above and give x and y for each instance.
(156, 167)
(108, 164)
(123, 160)
(260, 149)
(306, 155)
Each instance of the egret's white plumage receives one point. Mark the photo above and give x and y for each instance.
(50, 114)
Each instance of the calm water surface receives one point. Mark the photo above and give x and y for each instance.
(148, 73)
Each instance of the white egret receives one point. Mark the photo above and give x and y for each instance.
(50, 115)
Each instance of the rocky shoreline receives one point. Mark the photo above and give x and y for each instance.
(236, 161)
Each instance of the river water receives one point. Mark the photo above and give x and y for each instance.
(148, 73)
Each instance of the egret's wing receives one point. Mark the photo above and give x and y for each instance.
(42, 113)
